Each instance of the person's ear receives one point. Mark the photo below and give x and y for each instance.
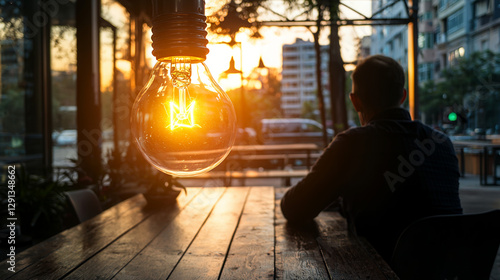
(404, 97)
(356, 102)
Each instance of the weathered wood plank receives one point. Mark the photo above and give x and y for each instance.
(84, 241)
(380, 262)
(158, 258)
(123, 250)
(251, 255)
(206, 255)
(109, 218)
(345, 256)
(298, 255)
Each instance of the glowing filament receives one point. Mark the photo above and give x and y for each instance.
(181, 117)
(180, 114)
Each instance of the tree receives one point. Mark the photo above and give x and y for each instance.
(319, 7)
(264, 102)
(243, 14)
(337, 74)
(235, 15)
(470, 86)
(432, 102)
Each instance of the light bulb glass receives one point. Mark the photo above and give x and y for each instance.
(182, 121)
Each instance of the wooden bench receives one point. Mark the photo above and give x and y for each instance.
(278, 155)
(280, 161)
(247, 162)
(228, 176)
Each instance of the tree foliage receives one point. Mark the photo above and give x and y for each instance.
(470, 87)
(234, 16)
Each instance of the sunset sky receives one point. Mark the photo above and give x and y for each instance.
(269, 47)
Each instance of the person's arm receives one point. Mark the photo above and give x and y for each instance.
(322, 185)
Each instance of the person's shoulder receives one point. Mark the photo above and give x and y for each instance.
(360, 131)
(435, 134)
(355, 135)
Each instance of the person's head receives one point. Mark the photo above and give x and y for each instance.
(377, 85)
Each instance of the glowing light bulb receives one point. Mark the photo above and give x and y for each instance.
(182, 121)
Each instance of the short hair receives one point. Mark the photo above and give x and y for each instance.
(379, 81)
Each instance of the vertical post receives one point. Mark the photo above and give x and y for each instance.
(413, 59)
(46, 99)
(34, 51)
(88, 97)
(115, 97)
(138, 56)
(242, 90)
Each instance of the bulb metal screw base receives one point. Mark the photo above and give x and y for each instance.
(177, 32)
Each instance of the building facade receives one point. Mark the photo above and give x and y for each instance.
(448, 29)
(298, 84)
(390, 40)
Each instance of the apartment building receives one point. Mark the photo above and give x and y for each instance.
(448, 29)
(453, 38)
(485, 24)
(298, 84)
(390, 40)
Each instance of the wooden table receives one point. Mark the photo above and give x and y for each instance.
(210, 233)
(487, 148)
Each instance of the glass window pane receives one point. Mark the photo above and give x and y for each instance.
(63, 72)
(116, 102)
(21, 138)
(107, 88)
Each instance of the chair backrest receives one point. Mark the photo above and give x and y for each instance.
(448, 247)
(85, 203)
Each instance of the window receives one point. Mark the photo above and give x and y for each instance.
(455, 54)
(291, 58)
(290, 49)
(484, 45)
(309, 84)
(63, 72)
(426, 40)
(21, 91)
(290, 76)
(309, 47)
(290, 84)
(425, 71)
(455, 22)
(290, 94)
(446, 3)
(442, 4)
(427, 15)
(290, 67)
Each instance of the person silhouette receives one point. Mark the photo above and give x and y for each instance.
(386, 173)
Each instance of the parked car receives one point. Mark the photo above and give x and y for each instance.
(246, 136)
(67, 138)
(291, 131)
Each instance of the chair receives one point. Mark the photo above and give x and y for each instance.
(448, 247)
(85, 203)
